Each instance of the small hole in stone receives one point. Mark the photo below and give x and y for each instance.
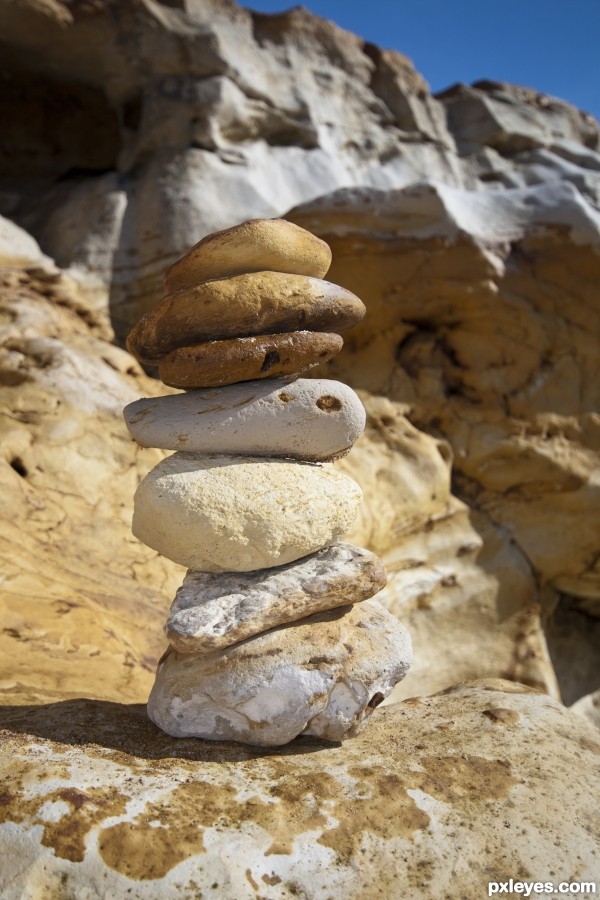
(375, 700)
(329, 404)
(271, 358)
(18, 465)
(285, 398)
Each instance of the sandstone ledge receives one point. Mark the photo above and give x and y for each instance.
(439, 796)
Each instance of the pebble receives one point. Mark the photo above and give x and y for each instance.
(312, 419)
(253, 246)
(221, 513)
(321, 676)
(213, 611)
(247, 359)
(245, 305)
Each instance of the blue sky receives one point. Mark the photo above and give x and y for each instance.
(550, 45)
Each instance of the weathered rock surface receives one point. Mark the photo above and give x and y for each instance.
(217, 111)
(259, 303)
(310, 419)
(253, 246)
(438, 797)
(76, 586)
(19, 249)
(321, 676)
(469, 335)
(589, 708)
(484, 346)
(246, 359)
(220, 114)
(237, 514)
(213, 611)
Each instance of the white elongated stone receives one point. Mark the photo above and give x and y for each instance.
(321, 676)
(214, 611)
(312, 419)
(237, 513)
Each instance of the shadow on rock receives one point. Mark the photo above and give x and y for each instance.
(127, 729)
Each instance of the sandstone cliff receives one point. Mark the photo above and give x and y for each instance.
(468, 222)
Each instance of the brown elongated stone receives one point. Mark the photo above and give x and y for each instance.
(246, 359)
(241, 306)
(251, 247)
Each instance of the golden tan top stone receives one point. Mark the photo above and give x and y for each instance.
(257, 303)
(251, 247)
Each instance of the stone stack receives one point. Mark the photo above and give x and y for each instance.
(273, 632)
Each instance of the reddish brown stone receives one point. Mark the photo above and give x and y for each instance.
(247, 359)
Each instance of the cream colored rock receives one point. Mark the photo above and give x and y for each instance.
(510, 381)
(589, 708)
(436, 798)
(311, 419)
(18, 248)
(244, 305)
(235, 513)
(75, 583)
(253, 246)
(213, 611)
(321, 676)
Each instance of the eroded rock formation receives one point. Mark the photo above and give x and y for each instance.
(468, 222)
(439, 797)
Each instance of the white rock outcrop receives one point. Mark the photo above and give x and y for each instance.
(438, 797)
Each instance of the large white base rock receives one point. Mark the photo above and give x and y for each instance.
(322, 676)
(238, 514)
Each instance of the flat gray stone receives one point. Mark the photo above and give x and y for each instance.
(312, 419)
(322, 676)
(214, 611)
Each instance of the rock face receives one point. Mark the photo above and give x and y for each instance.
(76, 586)
(479, 350)
(221, 112)
(477, 359)
(440, 796)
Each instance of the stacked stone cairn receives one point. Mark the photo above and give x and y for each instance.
(272, 633)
